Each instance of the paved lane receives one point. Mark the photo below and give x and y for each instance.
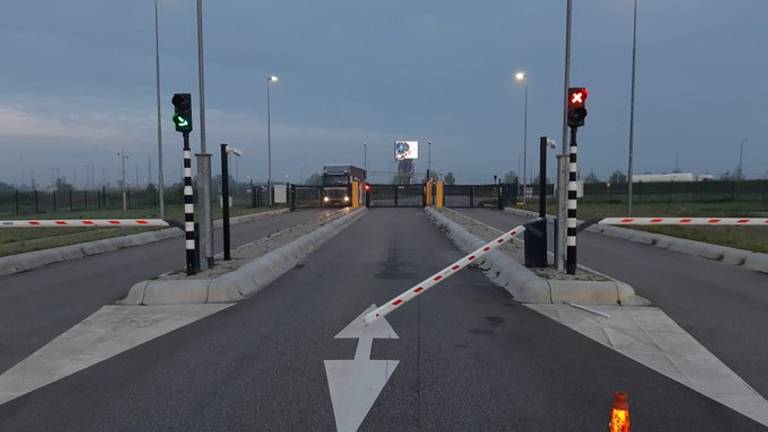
(470, 358)
(38, 305)
(722, 306)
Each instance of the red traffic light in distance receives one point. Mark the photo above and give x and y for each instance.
(577, 96)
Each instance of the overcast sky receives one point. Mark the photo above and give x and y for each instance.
(77, 83)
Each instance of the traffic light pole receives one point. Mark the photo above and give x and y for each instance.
(189, 207)
(570, 254)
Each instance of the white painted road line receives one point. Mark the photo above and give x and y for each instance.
(443, 274)
(355, 384)
(105, 334)
(650, 337)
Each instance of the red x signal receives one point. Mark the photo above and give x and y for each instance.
(577, 97)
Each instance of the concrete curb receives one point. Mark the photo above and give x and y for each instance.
(31, 260)
(527, 287)
(756, 261)
(243, 282)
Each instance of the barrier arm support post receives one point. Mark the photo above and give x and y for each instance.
(189, 207)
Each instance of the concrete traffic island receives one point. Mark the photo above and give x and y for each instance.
(254, 266)
(755, 261)
(504, 267)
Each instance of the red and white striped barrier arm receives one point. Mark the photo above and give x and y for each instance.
(83, 223)
(440, 276)
(686, 221)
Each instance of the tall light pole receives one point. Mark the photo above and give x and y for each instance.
(632, 116)
(203, 158)
(429, 157)
(270, 79)
(160, 179)
(365, 157)
(562, 214)
(522, 76)
(123, 157)
(740, 174)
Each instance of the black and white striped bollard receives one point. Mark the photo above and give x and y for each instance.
(189, 207)
(570, 251)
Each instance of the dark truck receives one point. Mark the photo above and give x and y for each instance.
(337, 184)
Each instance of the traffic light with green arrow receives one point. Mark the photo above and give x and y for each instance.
(182, 117)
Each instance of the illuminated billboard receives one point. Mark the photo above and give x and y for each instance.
(406, 150)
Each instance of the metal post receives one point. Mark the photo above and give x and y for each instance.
(204, 189)
(429, 156)
(225, 201)
(365, 159)
(570, 260)
(203, 158)
(37, 206)
(525, 139)
(269, 145)
(160, 177)
(122, 185)
(561, 173)
(543, 177)
(54, 200)
(632, 116)
(189, 207)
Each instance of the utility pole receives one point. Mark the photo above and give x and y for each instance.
(365, 157)
(149, 170)
(203, 158)
(632, 116)
(161, 179)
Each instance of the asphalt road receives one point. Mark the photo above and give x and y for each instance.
(38, 305)
(722, 306)
(470, 358)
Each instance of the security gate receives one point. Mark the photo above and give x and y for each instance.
(397, 196)
(472, 196)
(306, 197)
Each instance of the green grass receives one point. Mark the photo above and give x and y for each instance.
(750, 238)
(19, 240)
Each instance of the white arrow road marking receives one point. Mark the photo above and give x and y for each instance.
(650, 337)
(107, 333)
(356, 384)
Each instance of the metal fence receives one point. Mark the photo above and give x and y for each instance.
(470, 196)
(19, 203)
(672, 192)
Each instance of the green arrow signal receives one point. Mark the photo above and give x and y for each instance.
(182, 123)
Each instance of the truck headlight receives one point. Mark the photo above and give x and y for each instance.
(326, 199)
(346, 199)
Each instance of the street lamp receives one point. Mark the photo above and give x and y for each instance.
(632, 116)
(270, 80)
(523, 76)
(123, 157)
(161, 179)
(740, 174)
